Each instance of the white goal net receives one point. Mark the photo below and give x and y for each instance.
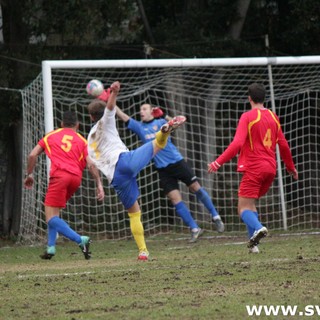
(212, 93)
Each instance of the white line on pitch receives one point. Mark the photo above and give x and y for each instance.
(20, 277)
(23, 276)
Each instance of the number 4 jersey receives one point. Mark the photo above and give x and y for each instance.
(256, 137)
(66, 149)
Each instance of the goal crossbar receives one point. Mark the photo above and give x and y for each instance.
(195, 62)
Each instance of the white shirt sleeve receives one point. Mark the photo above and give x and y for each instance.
(105, 145)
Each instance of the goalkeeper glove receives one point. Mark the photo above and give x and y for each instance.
(157, 112)
(104, 96)
(213, 166)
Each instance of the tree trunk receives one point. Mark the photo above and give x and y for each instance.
(16, 208)
(13, 184)
(145, 21)
(237, 25)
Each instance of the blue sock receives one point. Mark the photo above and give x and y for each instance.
(185, 215)
(250, 218)
(251, 230)
(203, 196)
(52, 236)
(63, 228)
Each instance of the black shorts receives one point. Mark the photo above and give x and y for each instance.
(173, 173)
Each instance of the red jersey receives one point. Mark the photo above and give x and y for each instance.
(256, 137)
(66, 149)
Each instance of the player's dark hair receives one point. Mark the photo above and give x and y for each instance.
(96, 109)
(69, 119)
(257, 92)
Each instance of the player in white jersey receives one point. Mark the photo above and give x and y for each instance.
(120, 165)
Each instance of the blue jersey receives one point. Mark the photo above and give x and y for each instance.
(146, 131)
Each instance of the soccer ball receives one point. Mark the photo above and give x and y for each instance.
(95, 88)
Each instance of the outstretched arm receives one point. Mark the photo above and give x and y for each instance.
(121, 115)
(32, 160)
(112, 100)
(233, 148)
(96, 175)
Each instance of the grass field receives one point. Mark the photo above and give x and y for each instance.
(214, 278)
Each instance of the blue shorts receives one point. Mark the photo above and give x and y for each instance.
(125, 175)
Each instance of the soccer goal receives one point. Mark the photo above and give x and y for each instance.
(212, 93)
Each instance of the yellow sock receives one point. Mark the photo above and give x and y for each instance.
(137, 230)
(161, 139)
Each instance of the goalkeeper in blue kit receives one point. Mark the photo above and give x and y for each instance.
(172, 168)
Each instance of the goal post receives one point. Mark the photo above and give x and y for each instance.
(212, 93)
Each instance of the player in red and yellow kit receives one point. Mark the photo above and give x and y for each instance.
(256, 137)
(68, 153)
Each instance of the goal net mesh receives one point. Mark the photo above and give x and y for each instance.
(212, 98)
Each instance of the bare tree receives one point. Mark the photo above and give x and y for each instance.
(237, 24)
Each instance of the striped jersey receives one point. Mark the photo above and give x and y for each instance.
(258, 132)
(66, 149)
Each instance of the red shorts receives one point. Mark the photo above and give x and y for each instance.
(61, 188)
(255, 184)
